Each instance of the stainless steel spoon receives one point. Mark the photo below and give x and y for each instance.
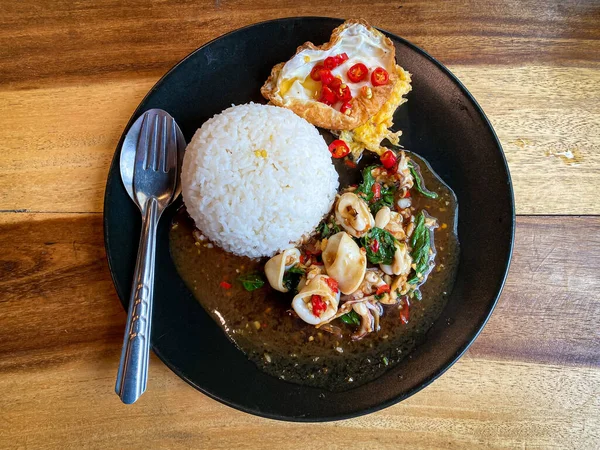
(150, 160)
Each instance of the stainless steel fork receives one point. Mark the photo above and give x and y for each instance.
(154, 186)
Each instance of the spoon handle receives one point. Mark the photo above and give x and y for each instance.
(133, 368)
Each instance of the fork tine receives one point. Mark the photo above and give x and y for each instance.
(141, 154)
(153, 148)
(164, 137)
(172, 147)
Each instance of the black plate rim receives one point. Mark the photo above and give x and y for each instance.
(451, 361)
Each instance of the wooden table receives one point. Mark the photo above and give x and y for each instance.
(71, 74)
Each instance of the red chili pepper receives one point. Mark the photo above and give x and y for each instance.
(327, 96)
(384, 288)
(326, 76)
(333, 285)
(342, 58)
(357, 72)
(350, 164)
(346, 108)
(379, 77)
(405, 311)
(388, 159)
(335, 83)
(331, 62)
(394, 169)
(339, 149)
(406, 194)
(225, 285)
(318, 305)
(376, 189)
(303, 258)
(343, 93)
(375, 246)
(315, 73)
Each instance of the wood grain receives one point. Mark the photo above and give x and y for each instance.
(58, 40)
(61, 140)
(536, 364)
(71, 74)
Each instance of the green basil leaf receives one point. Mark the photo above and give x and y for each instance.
(385, 253)
(367, 184)
(351, 318)
(386, 199)
(419, 182)
(252, 281)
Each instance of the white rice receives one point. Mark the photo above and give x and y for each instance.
(248, 203)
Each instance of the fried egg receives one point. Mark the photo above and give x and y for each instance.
(291, 86)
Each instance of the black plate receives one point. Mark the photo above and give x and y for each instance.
(441, 121)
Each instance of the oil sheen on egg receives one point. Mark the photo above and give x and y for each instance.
(361, 46)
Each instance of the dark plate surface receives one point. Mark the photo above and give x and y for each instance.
(441, 121)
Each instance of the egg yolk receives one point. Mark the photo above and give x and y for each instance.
(312, 86)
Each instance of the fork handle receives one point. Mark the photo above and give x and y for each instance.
(133, 367)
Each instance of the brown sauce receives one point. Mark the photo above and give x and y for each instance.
(260, 325)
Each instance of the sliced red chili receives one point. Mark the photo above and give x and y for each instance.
(388, 159)
(339, 149)
(357, 72)
(330, 63)
(346, 108)
(315, 73)
(342, 58)
(326, 76)
(350, 163)
(335, 83)
(405, 311)
(333, 285)
(327, 96)
(375, 246)
(406, 194)
(383, 289)
(318, 305)
(379, 77)
(376, 190)
(343, 93)
(225, 285)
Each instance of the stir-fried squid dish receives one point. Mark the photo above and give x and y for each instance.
(373, 250)
(316, 279)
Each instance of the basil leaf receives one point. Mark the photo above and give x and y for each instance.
(386, 250)
(419, 182)
(292, 277)
(420, 242)
(365, 187)
(351, 318)
(252, 281)
(296, 269)
(386, 199)
(328, 229)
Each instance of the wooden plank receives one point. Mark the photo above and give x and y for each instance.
(58, 142)
(532, 377)
(550, 308)
(104, 39)
(547, 119)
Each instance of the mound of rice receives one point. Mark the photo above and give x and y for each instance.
(257, 178)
